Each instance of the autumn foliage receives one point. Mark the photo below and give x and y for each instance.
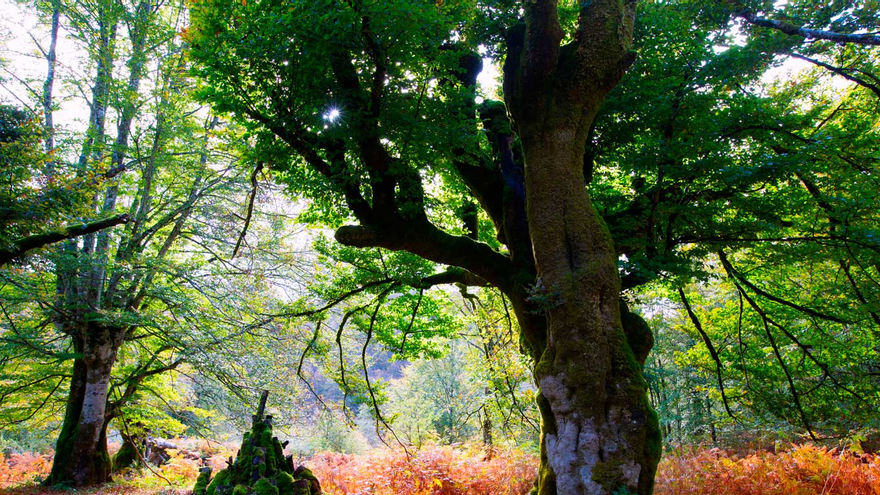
(434, 471)
(802, 470)
(19, 468)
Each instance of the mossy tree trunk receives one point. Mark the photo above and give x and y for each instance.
(559, 268)
(81, 455)
(128, 454)
(599, 433)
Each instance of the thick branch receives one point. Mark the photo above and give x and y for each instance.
(306, 144)
(426, 240)
(604, 40)
(372, 153)
(29, 243)
(377, 56)
(454, 276)
(532, 56)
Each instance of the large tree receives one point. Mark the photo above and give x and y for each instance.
(367, 114)
(370, 109)
(97, 318)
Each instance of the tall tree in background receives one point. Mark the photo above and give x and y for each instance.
(136, 287)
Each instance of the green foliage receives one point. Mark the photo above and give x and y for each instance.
(34, 197)
(164, 281)
(434, 400)
(758, 192)
(756, 196)
(329, 434)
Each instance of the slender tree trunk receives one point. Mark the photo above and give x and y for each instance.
(48, 85)
(486, 430)
(712, 431)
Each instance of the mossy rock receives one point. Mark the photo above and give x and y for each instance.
(259, 469)
(202, 481)
(222, 479)
(284, 482)
(265, 487)
(302, 487)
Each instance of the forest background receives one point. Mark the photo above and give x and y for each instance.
(740, 189)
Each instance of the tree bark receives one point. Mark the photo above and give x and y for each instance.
(127, 455)
(81, 456)
(599, 434)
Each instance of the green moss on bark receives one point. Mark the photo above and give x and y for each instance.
(639, 336)
(63, 448)
(126, 456)
(653, 451)
(494, 115)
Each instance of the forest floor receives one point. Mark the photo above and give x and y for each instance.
(800, 470)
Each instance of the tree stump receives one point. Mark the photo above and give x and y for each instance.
(260, 467)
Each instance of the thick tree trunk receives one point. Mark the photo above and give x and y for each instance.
(81, 456)
(599, 433)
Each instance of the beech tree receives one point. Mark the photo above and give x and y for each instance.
(399, 107)
(94, 320)
(371, 111)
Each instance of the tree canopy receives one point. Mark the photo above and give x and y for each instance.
(708, 166)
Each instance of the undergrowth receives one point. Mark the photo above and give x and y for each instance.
(801, 470)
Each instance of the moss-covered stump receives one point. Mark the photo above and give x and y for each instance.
(259, 469)
(127, 455)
